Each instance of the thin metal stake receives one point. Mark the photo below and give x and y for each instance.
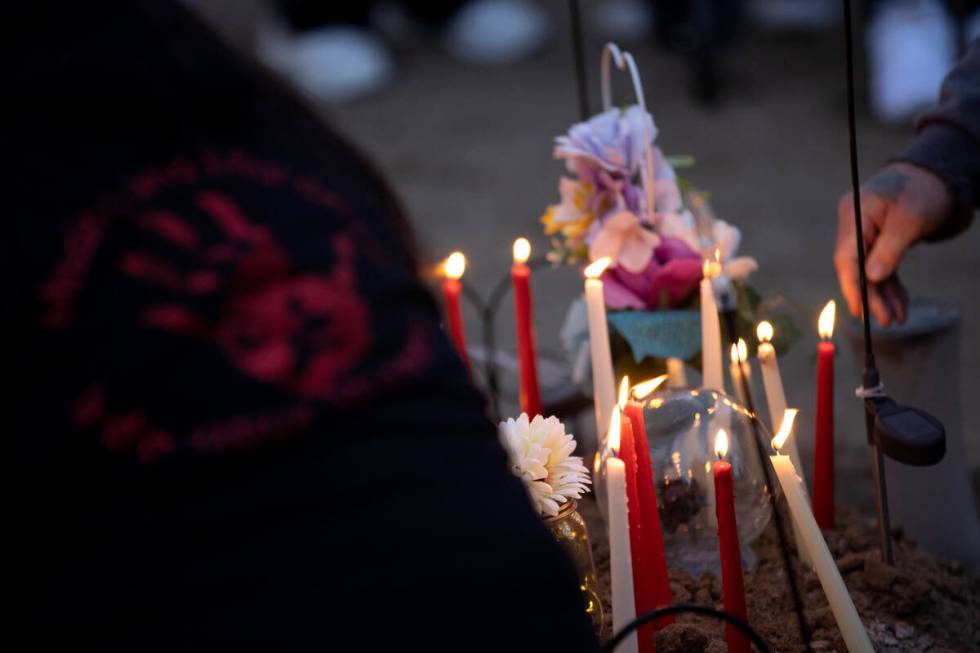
(578, 52)
(869, 375)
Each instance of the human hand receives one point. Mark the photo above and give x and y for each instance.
(900, 205)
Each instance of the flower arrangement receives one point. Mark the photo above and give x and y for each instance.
(658, 231)
(658, 251)
(540, 455)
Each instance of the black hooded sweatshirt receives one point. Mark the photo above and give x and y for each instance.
(236, 419)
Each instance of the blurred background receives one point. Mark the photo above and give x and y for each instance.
(458, 103)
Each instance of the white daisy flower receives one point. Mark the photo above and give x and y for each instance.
(540, 455)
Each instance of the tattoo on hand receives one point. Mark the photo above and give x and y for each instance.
(888, 184)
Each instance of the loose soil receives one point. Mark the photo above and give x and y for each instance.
(922, 604)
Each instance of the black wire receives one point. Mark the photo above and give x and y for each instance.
(681, 608)
(578, 51)
(870, 371)
(729, 316)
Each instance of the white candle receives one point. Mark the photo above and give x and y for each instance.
(739, 356)
(711, 377)
(848, 621)
(772, 383)
(620, 559)
(676, 377)
(603, 384)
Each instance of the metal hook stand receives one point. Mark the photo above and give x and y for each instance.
(578, 53)
(624, 61)
(487, 310)
(907, 435)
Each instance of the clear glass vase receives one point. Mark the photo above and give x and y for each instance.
(569, 529)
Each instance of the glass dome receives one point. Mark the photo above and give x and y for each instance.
(681, 425)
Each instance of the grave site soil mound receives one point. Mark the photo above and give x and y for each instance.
(921, 604)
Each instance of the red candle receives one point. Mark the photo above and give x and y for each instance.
(520, 275)
(823, 454)
(453, 268)
(654, 561)
(732, 582)
(642, 590)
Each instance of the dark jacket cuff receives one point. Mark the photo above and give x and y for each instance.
(954, 156)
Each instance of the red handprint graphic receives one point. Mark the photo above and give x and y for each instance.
(302, 331)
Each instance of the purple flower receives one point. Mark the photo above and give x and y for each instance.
(614, 140)
(667, 281)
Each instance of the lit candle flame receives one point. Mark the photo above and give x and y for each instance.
(597, 267)
(613, 439)
(624, 392)
(764, 331)
(740, 352)
(789, 416)
(721, 444)
(712, 265)
(455, 265)
(522, 250)
(643, 390)
(825, 325)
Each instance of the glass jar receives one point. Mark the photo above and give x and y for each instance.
(569, 529)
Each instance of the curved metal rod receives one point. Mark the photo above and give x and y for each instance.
(470, 293)
(624, 61)
(488, 314)
(679, 608)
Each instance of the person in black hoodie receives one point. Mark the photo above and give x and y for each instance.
(236, 419)
(928, 193)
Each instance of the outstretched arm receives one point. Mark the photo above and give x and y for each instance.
(929, 193)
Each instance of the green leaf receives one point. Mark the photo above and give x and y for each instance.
(681, 160)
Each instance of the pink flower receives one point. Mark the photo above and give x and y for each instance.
(626, 241)
(668, 279)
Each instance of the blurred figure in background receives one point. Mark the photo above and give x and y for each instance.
(338, 51)
(910, 44)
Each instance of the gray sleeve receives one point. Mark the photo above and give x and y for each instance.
(947, 140)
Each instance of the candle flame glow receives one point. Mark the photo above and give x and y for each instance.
(740, 352)
(597, 267)
(825, 325)
(624, 392)
(613, 438)
(764, 331)
(721, 444)
(789, 416)
(643, 390)
(522, 250)
(455, 265)
(712, 265)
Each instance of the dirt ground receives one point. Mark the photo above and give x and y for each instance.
(919, 605)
